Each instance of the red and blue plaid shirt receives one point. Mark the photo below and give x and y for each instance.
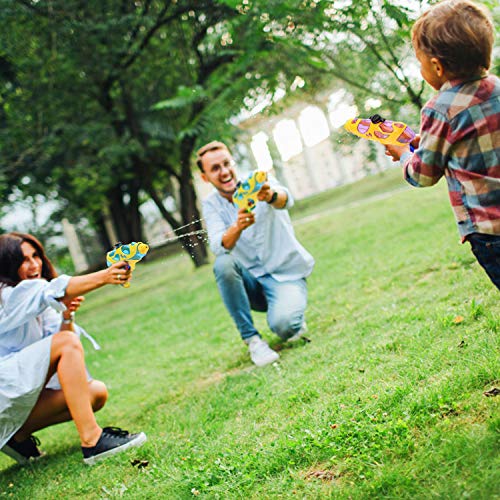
(460, 139)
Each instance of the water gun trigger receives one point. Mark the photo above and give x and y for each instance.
(245, 195)
(131, 254)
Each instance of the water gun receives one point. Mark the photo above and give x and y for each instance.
(245, 195)
(377, 129)
(131, 254)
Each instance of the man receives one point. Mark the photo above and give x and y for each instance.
(259, 263)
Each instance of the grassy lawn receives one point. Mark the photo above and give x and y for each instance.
(386, 401)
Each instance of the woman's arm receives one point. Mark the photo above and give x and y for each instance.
(117, 274)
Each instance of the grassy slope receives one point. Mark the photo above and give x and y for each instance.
(387, 400)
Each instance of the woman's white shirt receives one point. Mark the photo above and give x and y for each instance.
(20, 308)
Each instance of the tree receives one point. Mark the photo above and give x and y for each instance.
(103, 103)
(78, 116)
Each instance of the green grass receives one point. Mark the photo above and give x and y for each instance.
(385, 402)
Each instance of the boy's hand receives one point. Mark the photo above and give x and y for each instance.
(396, 152)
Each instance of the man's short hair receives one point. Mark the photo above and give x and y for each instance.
(211, 146)
(457, 32)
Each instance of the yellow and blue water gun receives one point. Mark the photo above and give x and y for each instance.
(384, 131)
(131, 253)
(245, 195)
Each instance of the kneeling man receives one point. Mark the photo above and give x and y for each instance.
(259, 263)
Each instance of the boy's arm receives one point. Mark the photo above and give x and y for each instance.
(427, 164)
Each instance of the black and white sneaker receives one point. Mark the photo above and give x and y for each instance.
(23, 451)
(113, 440)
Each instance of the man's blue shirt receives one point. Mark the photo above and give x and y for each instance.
(267, 247)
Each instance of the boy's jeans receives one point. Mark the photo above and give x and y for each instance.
(285, 302)
(486, 248)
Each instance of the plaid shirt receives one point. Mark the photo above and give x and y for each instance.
(460, 139)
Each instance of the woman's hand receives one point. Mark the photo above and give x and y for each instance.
(72, 306)
(118, 273)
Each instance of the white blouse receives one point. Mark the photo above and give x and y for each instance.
(30, 311)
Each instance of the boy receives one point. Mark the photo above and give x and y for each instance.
(460, 129)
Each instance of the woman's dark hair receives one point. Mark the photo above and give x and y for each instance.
(11, 257)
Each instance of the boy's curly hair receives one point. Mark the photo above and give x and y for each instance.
(459, 33)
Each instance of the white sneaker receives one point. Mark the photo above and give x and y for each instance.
(303, 329)
(260, 352)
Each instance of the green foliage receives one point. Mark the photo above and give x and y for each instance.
(185, 96)
(104, 103)
(107, 100)
(386, 401)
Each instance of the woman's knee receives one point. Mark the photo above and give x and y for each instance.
(66, 341)
(98, 394)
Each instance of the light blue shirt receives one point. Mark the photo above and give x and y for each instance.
(267, 247)
(31, 311)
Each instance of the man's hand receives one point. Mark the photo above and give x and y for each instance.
(265, 193)
(245, 219)
(277, 198)
(233, 233)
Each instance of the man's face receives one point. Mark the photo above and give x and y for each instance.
(219, 170)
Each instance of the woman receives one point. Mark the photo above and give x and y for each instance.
(33, 349)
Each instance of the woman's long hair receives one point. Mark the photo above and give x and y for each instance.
(11, 258)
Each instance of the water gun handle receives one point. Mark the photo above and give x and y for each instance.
(128, 267)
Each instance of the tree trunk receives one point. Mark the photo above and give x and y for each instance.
(126, 217)
(193, 241)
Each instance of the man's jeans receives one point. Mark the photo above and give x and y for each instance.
(486, 248)
(285, 302)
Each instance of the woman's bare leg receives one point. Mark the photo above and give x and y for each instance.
(66, 357)
(51, 409)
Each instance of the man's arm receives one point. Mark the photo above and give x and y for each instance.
(221, 236)
(276, 197)
(232, 235)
